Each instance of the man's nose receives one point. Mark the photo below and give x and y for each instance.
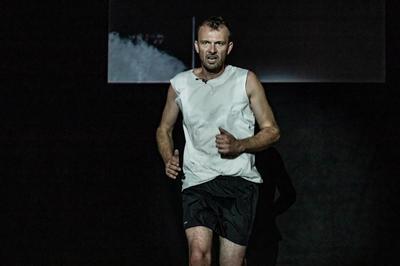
(212, 48)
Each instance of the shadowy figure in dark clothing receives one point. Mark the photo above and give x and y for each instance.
(264, 243)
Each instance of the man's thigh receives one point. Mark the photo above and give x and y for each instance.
(200, 238)
(231, 253)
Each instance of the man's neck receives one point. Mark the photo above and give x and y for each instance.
(203, 73)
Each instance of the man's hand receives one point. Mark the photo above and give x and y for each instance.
(172, 168)
(227, 144)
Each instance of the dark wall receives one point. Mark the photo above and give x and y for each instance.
(82, 182)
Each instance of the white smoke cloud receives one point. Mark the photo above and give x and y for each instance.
(134, 60)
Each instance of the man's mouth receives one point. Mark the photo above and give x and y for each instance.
(212, 59)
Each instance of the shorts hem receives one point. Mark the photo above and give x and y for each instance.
(240, 243)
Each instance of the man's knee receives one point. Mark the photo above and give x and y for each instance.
(200, 241)
(200, 256)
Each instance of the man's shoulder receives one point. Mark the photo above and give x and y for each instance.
(183, 74)
(238, 69)
(181, 79)
(245, 71)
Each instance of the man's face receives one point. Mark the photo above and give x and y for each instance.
(213, 46)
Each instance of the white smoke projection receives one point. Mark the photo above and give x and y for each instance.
(134, 60)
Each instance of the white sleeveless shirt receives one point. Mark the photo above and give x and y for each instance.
(220, 102)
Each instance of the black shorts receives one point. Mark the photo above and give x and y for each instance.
(226, 205)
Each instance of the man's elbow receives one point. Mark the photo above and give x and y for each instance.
(276, 134)
(163, 131)
(159, 132)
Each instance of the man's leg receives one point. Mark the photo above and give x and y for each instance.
(231, 254)
(200, 243)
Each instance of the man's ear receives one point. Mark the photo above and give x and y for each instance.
(230, 46)
(196, 46)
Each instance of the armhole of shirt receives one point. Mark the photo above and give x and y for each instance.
(246, 74)
(174, 86)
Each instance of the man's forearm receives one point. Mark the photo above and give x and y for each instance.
(165, 143)
(262, 140)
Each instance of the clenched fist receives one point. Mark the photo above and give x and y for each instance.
(227, 144)
(172, 168)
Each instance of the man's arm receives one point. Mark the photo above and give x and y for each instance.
(269, 132)
(164, 135)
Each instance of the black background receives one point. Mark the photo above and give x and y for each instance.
(82, 182)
